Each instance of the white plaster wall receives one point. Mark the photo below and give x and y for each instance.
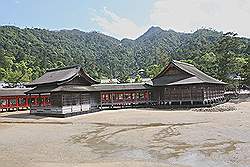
(75, 108)
(60, 110)
(53, 110)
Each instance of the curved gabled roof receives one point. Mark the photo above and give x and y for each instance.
(191, 69)
(57, 76)
(193, 75)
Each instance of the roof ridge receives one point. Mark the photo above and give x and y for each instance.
(89, 76)
(197, 73)
(63, 68)
(118, 84)
(184, 63)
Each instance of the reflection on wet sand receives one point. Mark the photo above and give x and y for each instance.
(224, 147)
(160, 146)
(131, 138)
(96, 140)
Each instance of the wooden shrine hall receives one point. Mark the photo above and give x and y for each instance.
(182, 84)
(71, 91)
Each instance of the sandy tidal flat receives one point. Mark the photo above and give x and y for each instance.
(128, 137)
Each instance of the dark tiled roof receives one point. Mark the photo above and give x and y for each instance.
(63, 88)
(118, 87)
(165, 80)
(61, 75)
(13, 91)
(193, 76)
(92, 88)
(74, 88)
(41, 90)
(197, 73)
(191, 80)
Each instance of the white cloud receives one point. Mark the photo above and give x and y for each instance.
(189, 15)
(120, 27)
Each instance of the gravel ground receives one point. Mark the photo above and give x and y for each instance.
(129, 137)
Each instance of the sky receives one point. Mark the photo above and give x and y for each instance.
(128, 18)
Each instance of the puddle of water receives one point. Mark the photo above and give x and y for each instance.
(224, 147)
(146, 125)
(133, 153)
(165, 149)
(173, 149)
(98, 139)
(95, 141)
(196, 159)
(159, 146)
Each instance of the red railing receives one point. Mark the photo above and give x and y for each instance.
(125, 97)
(17, 102)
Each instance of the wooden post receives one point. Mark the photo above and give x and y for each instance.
(38, 100)
(72, 100)
(124, 101)
(191, 97)
(181, 93)
(17, 103)
(147, 99)
(112, 99)
(81, 101)
(101, 100)
(136, 98)
(159, 97)
(30, 102)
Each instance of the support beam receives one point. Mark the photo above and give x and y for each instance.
(112, 99)
(101, 100)
(29, 101)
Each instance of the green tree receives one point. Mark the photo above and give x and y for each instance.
(153, 70)
(138, 78)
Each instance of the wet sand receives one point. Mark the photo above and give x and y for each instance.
(128, 137)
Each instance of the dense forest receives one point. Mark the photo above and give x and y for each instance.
(25, 54)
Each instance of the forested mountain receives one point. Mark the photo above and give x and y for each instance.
(25, 54)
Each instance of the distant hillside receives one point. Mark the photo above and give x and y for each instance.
(25, 54)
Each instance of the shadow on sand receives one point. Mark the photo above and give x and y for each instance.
(22, 116)
(245, 98)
